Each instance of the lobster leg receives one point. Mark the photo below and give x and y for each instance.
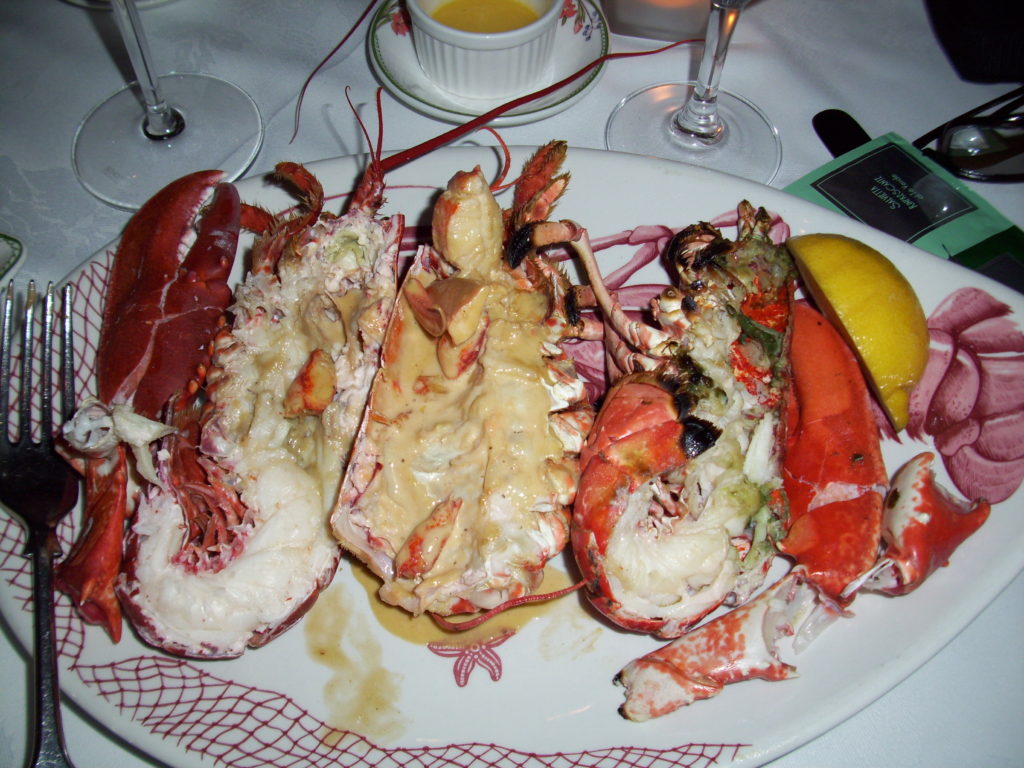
(88, 573)
(739, 645)
(539, 186)
(277, 235)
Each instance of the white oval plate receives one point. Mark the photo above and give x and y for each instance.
(544, 696)
(578, 41)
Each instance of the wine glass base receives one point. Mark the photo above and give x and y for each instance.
(104, 5)
(116, 162)
(643, 123)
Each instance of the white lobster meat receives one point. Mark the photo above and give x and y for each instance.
(286, 391)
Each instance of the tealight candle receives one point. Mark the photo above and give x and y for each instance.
(660, 19)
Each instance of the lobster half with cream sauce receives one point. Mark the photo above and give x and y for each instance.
(459, 486)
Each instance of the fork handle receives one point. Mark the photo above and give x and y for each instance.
(48, 742)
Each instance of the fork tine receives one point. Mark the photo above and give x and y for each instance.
(25, 383)
(67, 356)
(46, 417)
(5, 357)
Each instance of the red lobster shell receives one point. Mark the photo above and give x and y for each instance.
(166, 294)
(285, 394)
(837, 527)
(680, 495)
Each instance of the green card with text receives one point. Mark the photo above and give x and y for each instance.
(888, 184)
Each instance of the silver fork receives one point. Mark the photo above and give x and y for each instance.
(38, 487)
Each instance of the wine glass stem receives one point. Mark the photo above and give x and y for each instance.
(699, 116)
(161, 121)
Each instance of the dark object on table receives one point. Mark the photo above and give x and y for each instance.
(983, 144)
(982, 40)
(891, 185)
(838, 131)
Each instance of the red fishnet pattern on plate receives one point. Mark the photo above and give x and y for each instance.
(245, 727)
(240, 726)
(16, 571)
(90, 292)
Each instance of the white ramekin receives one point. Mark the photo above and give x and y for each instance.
(475, 65)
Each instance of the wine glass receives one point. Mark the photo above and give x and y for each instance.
(157, 129)
(104, 5)
(697, 122)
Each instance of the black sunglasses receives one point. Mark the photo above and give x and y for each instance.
(984, 144)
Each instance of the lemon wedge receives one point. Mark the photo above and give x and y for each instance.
(876, 309)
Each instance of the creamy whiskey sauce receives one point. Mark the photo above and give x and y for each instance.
(361, 693)
(422, 629)
(482, 439)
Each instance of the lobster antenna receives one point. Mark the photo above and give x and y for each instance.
(374, 152)
(401, 158)
(496, 185)
(476, 621)
(380, 124)
(323, 63)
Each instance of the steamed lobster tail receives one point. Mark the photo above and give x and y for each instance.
(162, 309)
(232, 546)
(681, 492)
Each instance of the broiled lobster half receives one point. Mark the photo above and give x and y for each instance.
(284, 395)
(847, 530)
(681, 492)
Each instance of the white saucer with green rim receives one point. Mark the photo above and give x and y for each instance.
(579, 40)
(12, 254)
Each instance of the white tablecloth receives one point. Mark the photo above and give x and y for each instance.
(877, 59)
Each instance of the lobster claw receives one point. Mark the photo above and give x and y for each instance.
(163, 305)
(739, 645)
(922, 527)
(163, 301)
(834, 473)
